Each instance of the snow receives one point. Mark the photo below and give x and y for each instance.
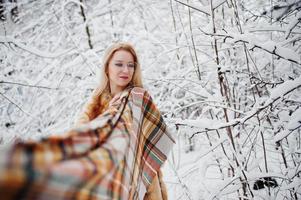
(33, 50)
(293, 124)
(236, 123)
(292, 24)
(285, 88)
(268, 45)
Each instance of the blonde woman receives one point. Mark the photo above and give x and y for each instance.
(116, 151)
(121, 76)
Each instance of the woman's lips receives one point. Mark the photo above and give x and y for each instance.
(124, 77)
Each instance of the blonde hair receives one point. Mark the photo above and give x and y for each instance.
(93, 106)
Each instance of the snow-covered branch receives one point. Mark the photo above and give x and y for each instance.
(292, 25)
(211, 125)
(268, 46)
(30, 49)
(27, 85)
(12, 102)
(204, 11)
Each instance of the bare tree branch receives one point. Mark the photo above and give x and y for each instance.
(9, 40)
(249, 115)
(28, 85)
(257, 45)
(8, 99)
(202, 11)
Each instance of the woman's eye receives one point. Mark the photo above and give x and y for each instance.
(131, 65)
(118, 64)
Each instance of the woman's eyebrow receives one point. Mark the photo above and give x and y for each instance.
(122, 61)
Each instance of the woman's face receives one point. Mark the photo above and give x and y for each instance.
(121, 70)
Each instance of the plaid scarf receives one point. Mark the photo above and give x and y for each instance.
(115, 156)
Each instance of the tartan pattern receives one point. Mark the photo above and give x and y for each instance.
(114, 156)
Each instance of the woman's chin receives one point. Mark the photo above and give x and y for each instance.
(124, 84)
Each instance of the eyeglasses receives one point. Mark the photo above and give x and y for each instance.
(129, 65)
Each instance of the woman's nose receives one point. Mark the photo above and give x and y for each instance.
(125, 68)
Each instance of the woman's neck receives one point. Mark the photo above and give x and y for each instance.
(115, 90)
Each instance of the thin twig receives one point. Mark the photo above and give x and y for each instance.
(8, 99)
(193, 44)
(28, 85)
(253, 47)
(202, 11)
(85, 21)
(237, 121)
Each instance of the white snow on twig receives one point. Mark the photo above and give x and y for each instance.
(35, 51)
(284, 88)
(292, 24)
(276, 93)
(293, 124)
(269, 46)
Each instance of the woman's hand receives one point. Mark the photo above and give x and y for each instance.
(115, 101)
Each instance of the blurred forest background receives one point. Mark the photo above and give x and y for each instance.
(224, 73)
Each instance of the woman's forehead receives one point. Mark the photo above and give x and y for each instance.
(123, 55)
